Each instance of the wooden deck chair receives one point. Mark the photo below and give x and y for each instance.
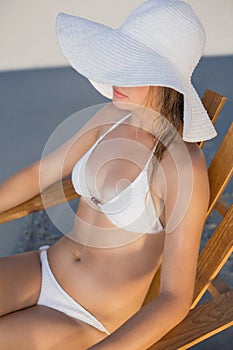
(199, 324)
(216, 315)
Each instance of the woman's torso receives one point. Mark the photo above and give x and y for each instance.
(107, 269)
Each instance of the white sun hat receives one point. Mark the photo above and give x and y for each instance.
(159, 44)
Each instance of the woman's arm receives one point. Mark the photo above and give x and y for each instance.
(19, 187)
(34, 178)
(179, 261)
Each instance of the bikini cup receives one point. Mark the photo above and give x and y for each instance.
(131, 209)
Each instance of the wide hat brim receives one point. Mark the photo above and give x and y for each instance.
(108, 57)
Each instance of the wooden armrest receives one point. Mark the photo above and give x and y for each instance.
(201, 323)
(53, 195)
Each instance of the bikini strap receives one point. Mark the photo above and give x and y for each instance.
(113, 126)
(116, 124)
(152, 153)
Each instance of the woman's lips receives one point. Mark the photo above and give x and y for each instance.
(118, 94)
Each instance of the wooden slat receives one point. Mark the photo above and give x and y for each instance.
(218, 286)
(213, 290)
(221, 169)
(214, 255)
(221, 206)
(201, 323)
(55, 194)
(213, 103)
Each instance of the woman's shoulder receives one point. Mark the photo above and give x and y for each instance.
(182, 180)
(179, 163)
(184, 154)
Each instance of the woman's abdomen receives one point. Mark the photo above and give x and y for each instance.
(109, 283)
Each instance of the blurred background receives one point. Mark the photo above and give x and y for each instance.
(38, 91)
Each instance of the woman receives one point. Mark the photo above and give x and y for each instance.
(144, 192)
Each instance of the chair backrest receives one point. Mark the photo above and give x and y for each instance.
(221, 169)
(213, 103)
(214, 255)
(211, 317)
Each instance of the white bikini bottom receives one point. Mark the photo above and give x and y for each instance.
(54, 296)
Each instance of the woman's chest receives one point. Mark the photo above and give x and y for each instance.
(116, 162)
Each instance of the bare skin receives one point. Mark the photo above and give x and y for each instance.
(111, 283)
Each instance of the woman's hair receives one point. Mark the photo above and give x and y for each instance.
(171, 106)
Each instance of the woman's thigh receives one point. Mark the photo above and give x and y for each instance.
(20, 281)
(40, 328)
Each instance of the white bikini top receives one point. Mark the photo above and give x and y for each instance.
(132, 209)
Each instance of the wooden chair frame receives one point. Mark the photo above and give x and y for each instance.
(213, 316)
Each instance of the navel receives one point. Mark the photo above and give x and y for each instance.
(77, 256)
